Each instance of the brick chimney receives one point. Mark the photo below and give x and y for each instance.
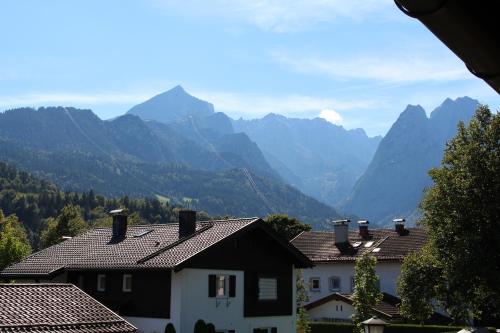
(399, 224)
(363, 228)
(119, 223)
(341, 229)
(187, 223)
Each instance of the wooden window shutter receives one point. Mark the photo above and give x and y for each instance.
(211, 285)
(232, 286)
(274, 330)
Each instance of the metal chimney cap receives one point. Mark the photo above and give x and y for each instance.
(399, 221)
(341, 222)
(363, 222)
(120, 211)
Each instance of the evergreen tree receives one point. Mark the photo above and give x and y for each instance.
(68, 223)
(302, 317)
(200, 326)
(288, 227)
(170, 328)
(366, 289)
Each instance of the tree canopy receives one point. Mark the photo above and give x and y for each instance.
(288, 227)
(14, 244)
(461, 213)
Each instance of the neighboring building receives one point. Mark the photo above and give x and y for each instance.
(331, 280)
(237, 274)
(61, 308)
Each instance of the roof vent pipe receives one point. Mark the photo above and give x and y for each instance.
(363, 228)
(399, 225)
(119, 223)
(341, 229)
(187, 223)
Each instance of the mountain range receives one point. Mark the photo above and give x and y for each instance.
(176, 147)
(394, 182)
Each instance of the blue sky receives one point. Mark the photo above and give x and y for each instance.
(357, 63)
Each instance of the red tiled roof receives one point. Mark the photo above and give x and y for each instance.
(160, 248)
(61, 308)
(319, 246)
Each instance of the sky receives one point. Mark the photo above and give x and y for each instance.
(356, 63)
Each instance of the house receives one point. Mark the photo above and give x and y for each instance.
(331, 280)
(58, 308)
(237, 274)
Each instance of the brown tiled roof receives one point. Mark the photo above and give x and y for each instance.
(159, 248)
(319, 246)
(61, 308)
(387, 308)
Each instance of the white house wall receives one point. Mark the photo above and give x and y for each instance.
(387, 271)
(225, 314)
(332, 309)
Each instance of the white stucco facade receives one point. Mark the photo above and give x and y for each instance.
(190, 301)
(333, 309)
(387, 271)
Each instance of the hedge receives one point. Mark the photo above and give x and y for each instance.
(332, 327)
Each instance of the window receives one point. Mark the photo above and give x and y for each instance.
(81, 281)
(127, 283)
(221, 286)
(268, 289)
(352, 283)
(101, 282)
(265, 330)
(334, 282)
(314, 284)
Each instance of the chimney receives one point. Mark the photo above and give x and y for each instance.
(399, 225)
(187, 223)
(119, 223)
(363, 228)
(341, 229)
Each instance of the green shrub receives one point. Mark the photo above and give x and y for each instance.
(210, 328)
(328, 327)
(170, 328)
(200, 327)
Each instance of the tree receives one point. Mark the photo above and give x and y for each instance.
(14, 244)
(302, 317)
(417, 285)
(210, 328)
(366, 291)
(288, 227)
(461, 213)
(68, 223)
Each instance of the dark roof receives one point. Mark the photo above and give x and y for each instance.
(319, 246)
(468, 28)
(387, 308)
(57, 308)
(155, 246)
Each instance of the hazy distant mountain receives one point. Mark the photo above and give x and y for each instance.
(318, 157)
(394, 182)
(79, 151)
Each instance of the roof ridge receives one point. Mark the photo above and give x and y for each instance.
(171, 245)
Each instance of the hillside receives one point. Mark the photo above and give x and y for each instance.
(126, 156)
(394, 182)
(319, 158)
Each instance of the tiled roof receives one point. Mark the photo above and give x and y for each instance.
(319, 246)
(159, 248)
(61, 308)
(387, 308)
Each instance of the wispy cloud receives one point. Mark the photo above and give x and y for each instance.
(397, 69)
(35, 99)
(253, 105)
(280, 15)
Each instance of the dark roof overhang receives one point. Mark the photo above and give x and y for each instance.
(468, 28)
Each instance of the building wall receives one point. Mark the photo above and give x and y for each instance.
(332, 309)
(387, 271)
(225, 314)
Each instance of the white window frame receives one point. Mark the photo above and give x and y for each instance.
(101, 282)
(226, 285)
(311, 288)
(330, 283)
(124, 283)
(276, 290)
